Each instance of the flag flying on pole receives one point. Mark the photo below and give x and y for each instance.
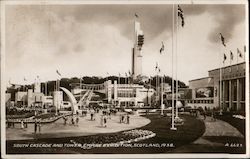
(156, 67)
(126, 74)
(239, 52)
(222, 40)
(181, 15)
(231, 55)
(162, 47)
(58, 73)
(225, 57)
(136, 15)
(129, 72)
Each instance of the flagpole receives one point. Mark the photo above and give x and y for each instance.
(230, 59)
(176, 51)
(220, 82)
(172, 124)
(161, 96)
(237, 60)
(149, 89)
(80, 92)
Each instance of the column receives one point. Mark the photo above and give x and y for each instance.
(115, 90)
(238, 94)
(230, 94)
(223, 94)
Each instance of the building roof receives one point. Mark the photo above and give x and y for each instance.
(199, 79)
(227, 66)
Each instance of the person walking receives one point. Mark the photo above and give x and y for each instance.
(102, 120)
(35, 127)
(204, 114)
(105, 121)
(128, 119)
(22, 124)
(77, 120)
(120, 118)
(72, 121)
(39, 127)
(25, 123)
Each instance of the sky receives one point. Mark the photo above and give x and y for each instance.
(96, 40)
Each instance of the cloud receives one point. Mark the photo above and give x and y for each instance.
(95, 39)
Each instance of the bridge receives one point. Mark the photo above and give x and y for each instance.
(101, 88)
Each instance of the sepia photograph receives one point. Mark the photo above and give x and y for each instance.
(124, 79)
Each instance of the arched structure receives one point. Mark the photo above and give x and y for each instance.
(72, 99)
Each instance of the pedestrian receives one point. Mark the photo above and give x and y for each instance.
(128, 119)
(101, 122)
(39, 126)
(109, 113)
(25, 123)
(64, 119)
(105, 121)
(72, 121)
(122, 118)
(77, 120)
(35, 127)
(204, 115)
(91, 116)
(213, 114)
(22, 124)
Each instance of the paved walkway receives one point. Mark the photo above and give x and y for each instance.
(216, 128)
(85, 127)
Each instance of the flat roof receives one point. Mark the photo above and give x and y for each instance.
(227, 66)
(199, 79)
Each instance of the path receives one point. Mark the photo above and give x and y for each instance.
(85, 127)
(214, 130)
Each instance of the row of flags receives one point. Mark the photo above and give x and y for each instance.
(181, 16)
(157, 68)
(239, 54)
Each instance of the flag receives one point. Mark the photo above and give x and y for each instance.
(156, 67)
(58, 73)
(162, 47)
(231, 55)
(225, 57)
(181, 15)
(136, 15)
(24, 79)
(239, 52)
(222, 40)
(119, 74)
(129, 72)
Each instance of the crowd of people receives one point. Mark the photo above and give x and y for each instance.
(104, 115)
(204, 113)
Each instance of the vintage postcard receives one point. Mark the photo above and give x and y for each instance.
(124, 79)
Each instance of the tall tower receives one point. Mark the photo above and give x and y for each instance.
(137, 51)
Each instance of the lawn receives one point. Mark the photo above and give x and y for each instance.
(187, 133)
